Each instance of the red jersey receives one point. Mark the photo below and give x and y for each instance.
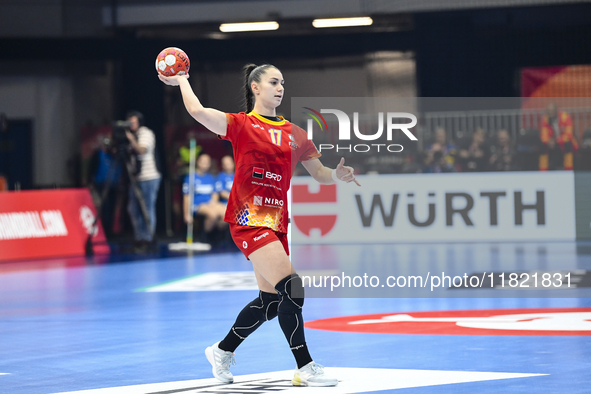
(266, 154)
(561, 129)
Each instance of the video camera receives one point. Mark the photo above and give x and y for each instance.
(120, 127)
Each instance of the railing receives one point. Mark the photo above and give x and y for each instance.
(458, 124)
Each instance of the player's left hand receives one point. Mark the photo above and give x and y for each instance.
(346, 173)
(172, 81)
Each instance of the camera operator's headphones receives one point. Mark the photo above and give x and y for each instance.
(138, 115)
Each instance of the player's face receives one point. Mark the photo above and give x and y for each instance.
(270, 88)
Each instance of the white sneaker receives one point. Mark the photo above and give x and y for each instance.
(220, 361)
(312, 374)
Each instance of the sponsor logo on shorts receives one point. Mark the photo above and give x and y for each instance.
(244, 244)
(260, 236)
(258, 200)
(258, 172)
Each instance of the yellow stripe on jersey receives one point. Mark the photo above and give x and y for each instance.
(263, 119)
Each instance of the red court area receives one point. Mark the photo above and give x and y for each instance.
(520, 322)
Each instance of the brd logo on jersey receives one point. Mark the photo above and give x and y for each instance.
(258, 172)
(275, 177)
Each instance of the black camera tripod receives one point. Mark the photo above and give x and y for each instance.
(124, 157)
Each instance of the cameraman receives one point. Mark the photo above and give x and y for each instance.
(143, 144)
(105, 183)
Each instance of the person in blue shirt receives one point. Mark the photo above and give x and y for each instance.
(225, 179)
(205, 197)
(223, 186)
(106, 172)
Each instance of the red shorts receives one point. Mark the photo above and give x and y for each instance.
(249, 238)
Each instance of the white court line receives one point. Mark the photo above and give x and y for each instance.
(351, 381)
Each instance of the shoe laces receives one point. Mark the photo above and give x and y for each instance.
(227, 359)
(316, 369)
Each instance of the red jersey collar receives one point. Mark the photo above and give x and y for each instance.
(271, 122)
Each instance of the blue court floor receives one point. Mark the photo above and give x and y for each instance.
(141, 326)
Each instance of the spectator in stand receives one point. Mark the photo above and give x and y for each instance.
(223, 186)
(205, 199)
(584, 154)
(225, 178)
(558, 141)
(440, 156)
(501, 158)
(474, 157)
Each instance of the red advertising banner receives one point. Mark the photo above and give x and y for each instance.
(561, 81)
(48, 223)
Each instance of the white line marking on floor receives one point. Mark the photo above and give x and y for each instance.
(351, 380)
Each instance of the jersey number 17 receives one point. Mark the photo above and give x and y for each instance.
(275, 136)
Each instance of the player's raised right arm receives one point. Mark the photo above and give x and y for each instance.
(211, 118)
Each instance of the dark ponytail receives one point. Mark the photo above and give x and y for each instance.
(248, 95)
(252, 73)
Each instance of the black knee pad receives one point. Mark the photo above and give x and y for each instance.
(265, 307)
(291, 294)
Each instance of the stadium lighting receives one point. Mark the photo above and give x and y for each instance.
(342, 22)
(251, 26)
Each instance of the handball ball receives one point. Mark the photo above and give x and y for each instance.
(172, 61)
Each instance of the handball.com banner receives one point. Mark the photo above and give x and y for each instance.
(48, 223)
(515, 206)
